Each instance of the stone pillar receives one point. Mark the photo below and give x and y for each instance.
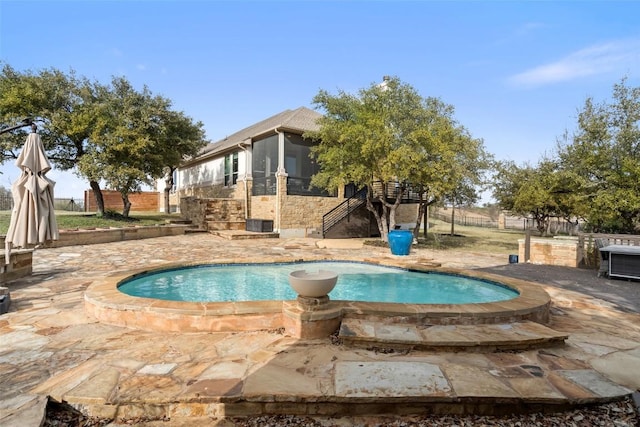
(311, 318)
(248, 182)
(281, 194)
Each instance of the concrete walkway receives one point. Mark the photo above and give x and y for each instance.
(50, 347)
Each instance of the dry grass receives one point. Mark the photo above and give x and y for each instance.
(474, 239)
(78, 220)
(478, 239)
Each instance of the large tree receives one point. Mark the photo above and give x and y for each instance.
(105, 133)
(530, 191)
(63, 105)
(179, 140)
(602, 158)
(138, 136)
(390, 140)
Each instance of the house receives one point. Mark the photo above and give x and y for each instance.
(262, 175)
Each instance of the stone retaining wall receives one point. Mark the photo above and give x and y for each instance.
(20, 264)
(195, 210)
(563, 252)
(107, 235)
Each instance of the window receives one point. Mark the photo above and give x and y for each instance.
(230, 169)
(300, 166)
(264, 166)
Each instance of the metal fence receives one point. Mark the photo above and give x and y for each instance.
(60, 204)
(466, 220)
(556, 225)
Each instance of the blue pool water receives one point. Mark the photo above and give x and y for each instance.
(356, 282)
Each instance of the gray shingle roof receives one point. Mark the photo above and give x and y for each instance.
(301, 119)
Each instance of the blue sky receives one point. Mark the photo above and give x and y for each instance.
(516, 72)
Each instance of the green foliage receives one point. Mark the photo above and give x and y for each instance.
(62, 104)
(527, 191)
(602, 162)
(388, 133)
(106, 133)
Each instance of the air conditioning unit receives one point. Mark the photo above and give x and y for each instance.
(624, 261)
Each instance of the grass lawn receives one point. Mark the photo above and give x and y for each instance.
(73, 220)
(469, 238)
(478, 239)
(481, 239)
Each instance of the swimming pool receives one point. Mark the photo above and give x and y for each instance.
(107, 303)
(356, 282)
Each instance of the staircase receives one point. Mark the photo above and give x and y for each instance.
(224, 214)
(521, 335)
(343, 210)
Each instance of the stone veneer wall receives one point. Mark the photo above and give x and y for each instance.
(225, 209)
(194, 209)
(225, 214)
(208, 192)
(304, 212)
(563, 252)
(20, 264)
(263, 207)
(201, 211)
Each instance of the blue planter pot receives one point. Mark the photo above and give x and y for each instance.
(400, 241)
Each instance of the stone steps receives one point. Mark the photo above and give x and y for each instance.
(182, 221)
(225, 225)
(243, 235)
(476, 338)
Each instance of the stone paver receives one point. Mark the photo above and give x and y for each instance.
(517, 335)
(50, 347)
(390, 379)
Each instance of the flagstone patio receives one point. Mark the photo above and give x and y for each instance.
(52, 347)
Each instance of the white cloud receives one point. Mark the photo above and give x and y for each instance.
(141, 67)
(617, 56)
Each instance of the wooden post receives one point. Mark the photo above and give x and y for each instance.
(527, 245)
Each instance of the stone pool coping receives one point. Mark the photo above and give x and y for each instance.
(106, 303)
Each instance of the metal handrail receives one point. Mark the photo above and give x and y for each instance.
(343, 210)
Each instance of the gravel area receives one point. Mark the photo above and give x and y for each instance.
(615, 414)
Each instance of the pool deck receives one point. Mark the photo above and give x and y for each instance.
(51, 347)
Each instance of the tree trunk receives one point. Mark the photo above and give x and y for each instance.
(392, 211)
(421, 210)
(168, 185)
(127, 205)
(426, 220)
(167, 207)
(453, 219)
(97, 192)
(379, 221)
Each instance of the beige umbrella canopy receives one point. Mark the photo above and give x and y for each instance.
(33, 220)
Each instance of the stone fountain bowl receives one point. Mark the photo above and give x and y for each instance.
(313, 284)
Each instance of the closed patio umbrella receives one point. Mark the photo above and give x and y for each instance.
(33, 218)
